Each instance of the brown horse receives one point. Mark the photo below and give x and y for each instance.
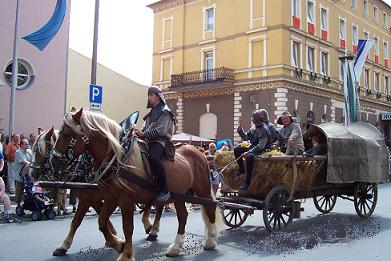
(95, 133)
(93, 198)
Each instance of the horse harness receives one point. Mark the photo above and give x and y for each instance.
(67, 157)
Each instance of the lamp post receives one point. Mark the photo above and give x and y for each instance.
(14, 74)
(95, 44)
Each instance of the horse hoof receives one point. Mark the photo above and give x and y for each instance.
(147, 230)
(172, 254)
(173, 250)
(210, 244)
(152, 238)
(59, 252)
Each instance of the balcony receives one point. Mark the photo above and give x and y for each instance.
(218, 77)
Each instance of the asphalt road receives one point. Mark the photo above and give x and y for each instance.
(340, 235)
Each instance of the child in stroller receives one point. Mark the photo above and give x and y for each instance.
(36, 201)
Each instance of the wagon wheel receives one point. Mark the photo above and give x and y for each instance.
(234, 217)
(278, 209)
(365, 199)
(325, 204)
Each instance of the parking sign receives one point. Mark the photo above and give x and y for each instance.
(96, 94)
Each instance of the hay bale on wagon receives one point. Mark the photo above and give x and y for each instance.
(267, 174)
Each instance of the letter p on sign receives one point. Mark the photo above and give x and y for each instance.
(96, 94)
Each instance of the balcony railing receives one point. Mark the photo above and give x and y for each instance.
(198, 77)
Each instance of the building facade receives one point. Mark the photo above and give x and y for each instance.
(219, 60)
(40, 97)
(121, 96)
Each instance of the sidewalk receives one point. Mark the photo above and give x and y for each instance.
(27, 216)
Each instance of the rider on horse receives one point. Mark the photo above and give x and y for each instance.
(157, 131)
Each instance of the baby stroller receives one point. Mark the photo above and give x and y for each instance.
(34, 205)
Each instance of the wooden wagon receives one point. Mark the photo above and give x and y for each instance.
(355, 164)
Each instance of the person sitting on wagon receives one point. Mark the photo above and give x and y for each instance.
(259, 137)
(290, 137)
(318, 147)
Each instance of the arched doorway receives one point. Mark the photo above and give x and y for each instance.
(208, 126)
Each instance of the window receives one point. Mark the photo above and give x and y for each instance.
(386, 50)
(377, 81)
(375, 14)
(296, 54)
(385, 20)
(167, 32)
(209, 19)
(341, 69)
(295, 9)
(354, 38)
(323, 19)
(208, 64)
(324, 63)
(366, 78)
(257, 52)
(386, 83)
(342, 29)
(354, 4)
(365, 7)
(25, 74)
(342, 33)
(310, 59)
(376, 49)
(366, 35)
(310, 12)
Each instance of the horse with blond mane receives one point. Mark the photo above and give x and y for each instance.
(41, 169)
(189, 172)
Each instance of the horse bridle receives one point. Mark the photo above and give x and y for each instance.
(67, 157)
(46, 168)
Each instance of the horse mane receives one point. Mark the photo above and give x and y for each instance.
(97, 123)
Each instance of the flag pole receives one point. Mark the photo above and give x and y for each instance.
(346, 59)
(14, 74)
(95, 44)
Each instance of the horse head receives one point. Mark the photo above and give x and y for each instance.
(40, 154)
(71, 142)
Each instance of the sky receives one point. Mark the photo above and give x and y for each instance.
(125, 35)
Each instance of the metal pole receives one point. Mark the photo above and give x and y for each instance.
(95, 44)
(14, 74)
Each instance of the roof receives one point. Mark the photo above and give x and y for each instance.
(185, 137)
(355, 153)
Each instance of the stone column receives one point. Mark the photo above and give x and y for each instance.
(237, 114)
(179, 125)
(280, 103)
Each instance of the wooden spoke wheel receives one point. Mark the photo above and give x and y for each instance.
(325, 204)
(235, 217)
(365, 199)
(278, 209)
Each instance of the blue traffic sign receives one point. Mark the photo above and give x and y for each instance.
(96, 94)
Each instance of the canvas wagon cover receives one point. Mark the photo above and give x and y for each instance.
(355, 153)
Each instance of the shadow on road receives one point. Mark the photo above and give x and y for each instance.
(305, 233)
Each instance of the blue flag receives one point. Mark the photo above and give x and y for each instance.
(43, 36)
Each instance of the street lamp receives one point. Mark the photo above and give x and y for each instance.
(14, 74)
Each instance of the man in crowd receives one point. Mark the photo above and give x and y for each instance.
(4, 199)
(23, 159)
(290, 138)
(259, 137)
(10, 151)
(32, 139)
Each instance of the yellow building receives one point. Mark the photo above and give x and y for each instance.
(121, 96)
(218, 60)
